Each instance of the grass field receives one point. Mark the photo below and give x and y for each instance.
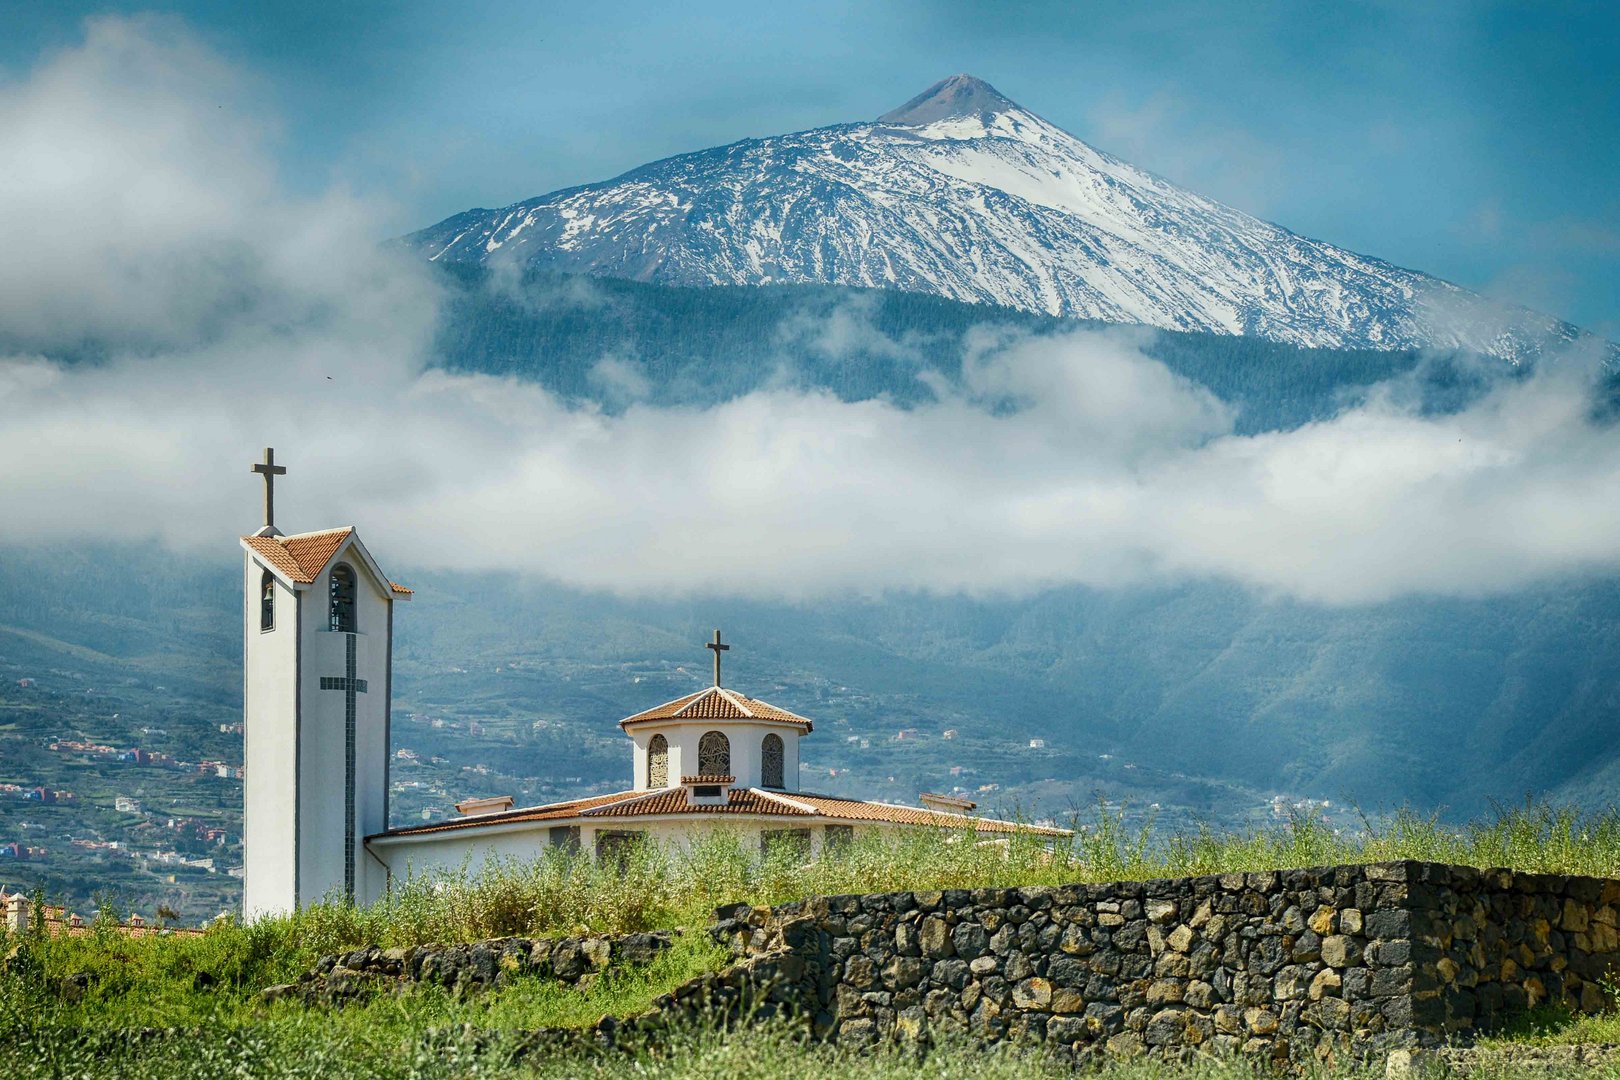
(309, 1047)
(206, 986)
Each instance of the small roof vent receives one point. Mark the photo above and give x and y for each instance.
(947, 804)
(478, 807)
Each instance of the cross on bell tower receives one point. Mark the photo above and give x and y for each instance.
(718, 649)
(270, 470)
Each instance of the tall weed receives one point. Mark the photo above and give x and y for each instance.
(178, 979)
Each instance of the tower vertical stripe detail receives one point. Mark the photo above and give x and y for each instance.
(350, 687)
(348, 771)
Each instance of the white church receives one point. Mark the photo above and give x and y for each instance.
(317, 662)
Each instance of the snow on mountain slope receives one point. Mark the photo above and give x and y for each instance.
(965, 194)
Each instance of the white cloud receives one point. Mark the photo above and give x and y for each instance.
(621, 379)
(843, 331)
(1075, 459)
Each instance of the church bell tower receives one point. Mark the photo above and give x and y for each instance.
(318, 628)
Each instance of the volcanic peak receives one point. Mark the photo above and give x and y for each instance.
(950, 99)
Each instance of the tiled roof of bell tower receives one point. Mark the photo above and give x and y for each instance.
(716, 703)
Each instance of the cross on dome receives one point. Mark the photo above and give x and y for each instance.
(718, 649)
(270, 470)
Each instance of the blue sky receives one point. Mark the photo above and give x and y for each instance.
(1474, 141)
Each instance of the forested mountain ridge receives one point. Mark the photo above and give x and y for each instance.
(611, 342)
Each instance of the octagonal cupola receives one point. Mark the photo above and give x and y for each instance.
(714, 740)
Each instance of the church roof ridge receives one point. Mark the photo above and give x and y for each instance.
(843, 807)
(667, 801)
(736, 699)
(786, 799)
(315, 532)
(717, 703)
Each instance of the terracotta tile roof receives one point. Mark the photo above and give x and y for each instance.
(301, 557)
(716, 703)
(271, 551)
(708, 779)
(314, 550)
(400, 589)
(674, 801)
(788, 804)
(572, 808)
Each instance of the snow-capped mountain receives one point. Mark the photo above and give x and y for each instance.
(963, 193)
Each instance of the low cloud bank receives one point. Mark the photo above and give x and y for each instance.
(233, 315)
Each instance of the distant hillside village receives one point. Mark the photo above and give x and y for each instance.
(181, 840)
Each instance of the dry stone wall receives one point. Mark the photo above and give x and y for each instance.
(470, 967)
(1489, 944)
(1327, 964)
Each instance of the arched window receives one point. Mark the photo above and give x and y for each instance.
(770, 761)
(658, 762)
(714, 754)
(341, 615)
(267, 601)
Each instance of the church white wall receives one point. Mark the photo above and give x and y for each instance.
(450, 852)
(324, 781)
(295, 782)
(270, 749)
(321, 783)
(746, 745)
(372, 766)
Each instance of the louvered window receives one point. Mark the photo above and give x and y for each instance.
(341, 614)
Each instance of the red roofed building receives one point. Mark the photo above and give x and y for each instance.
(711, 759)
(318, 628)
